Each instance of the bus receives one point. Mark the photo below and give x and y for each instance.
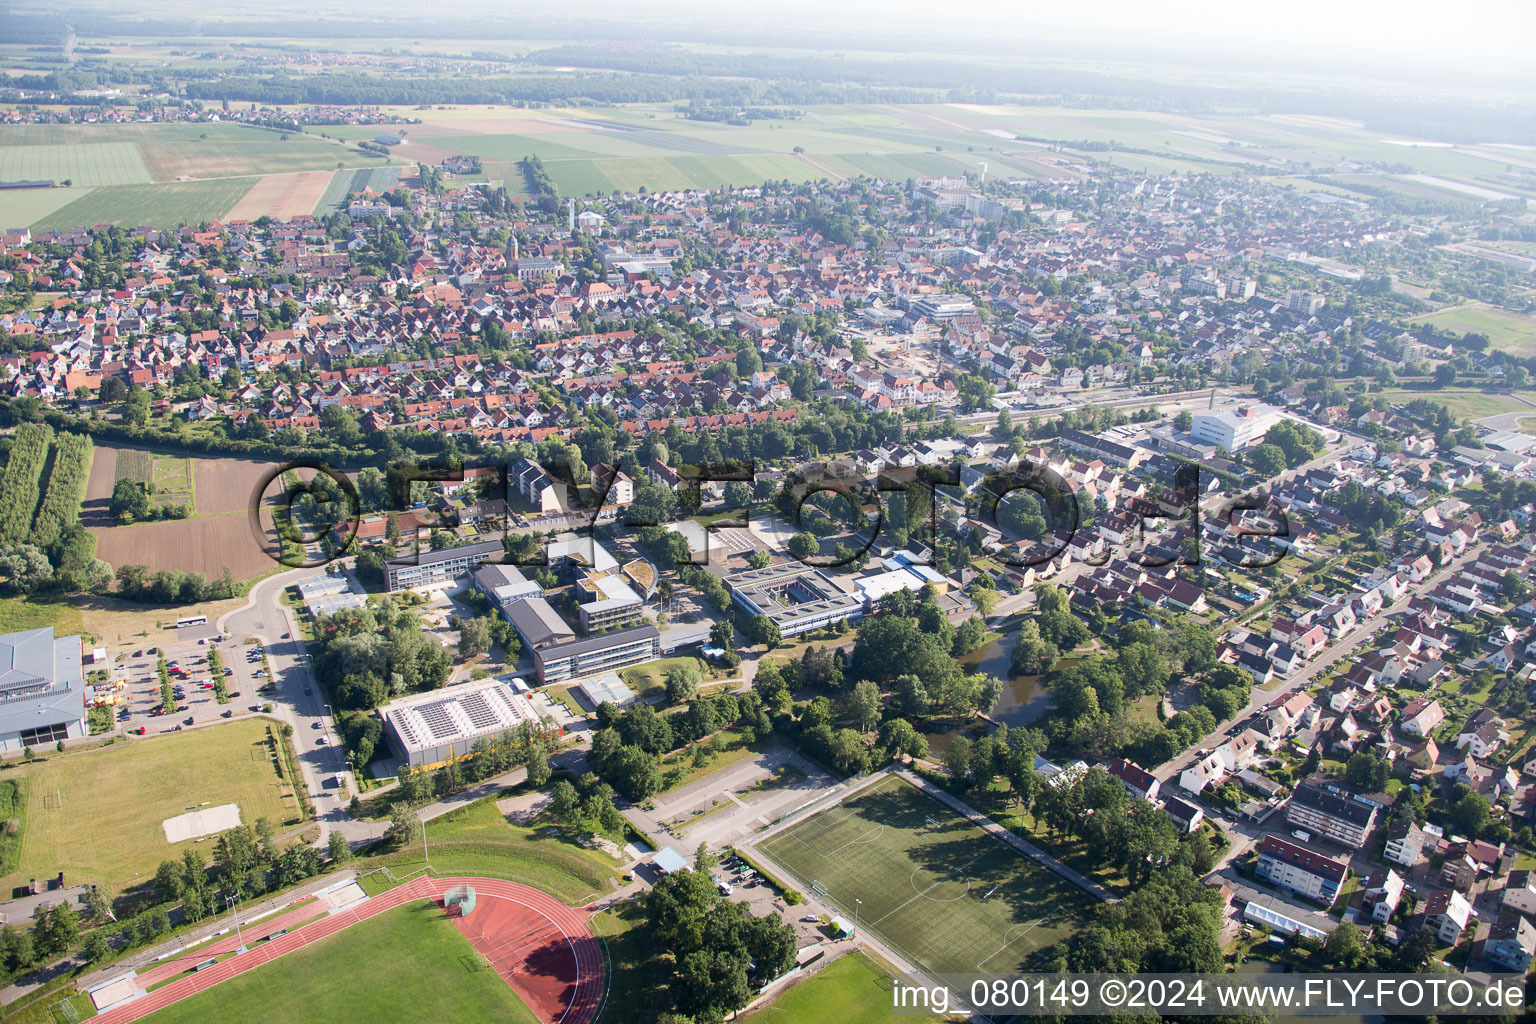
(192, 620)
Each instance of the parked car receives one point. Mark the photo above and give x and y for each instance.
(140, 730)
(187, 721)
(320, 742)
(228, 714)
(287, 636)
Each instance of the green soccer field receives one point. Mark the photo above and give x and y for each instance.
(945, 895)
(407, 966)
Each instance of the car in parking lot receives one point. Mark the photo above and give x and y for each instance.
(228, 714)
(314, 725)
(187, 721)
(320, 742)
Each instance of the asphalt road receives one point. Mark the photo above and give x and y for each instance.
(297, 698)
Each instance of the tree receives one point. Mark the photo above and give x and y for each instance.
(899, 739)
(338, 848)
(1469, 815)
(474, 637)
(1267, 460)
(95, 949)
(683, 682)
(957, 759)
(722, 635)
(1344, 946)
(803, 546)
(765, 631)
(864, 704)
(704, 862)
(563, 800)
(970, 636)
(1184, 421)
(404, 826)
(129, 501)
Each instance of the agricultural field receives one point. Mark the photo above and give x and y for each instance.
(127, 789)
(169, 476)
(208, 545)
(434, 976)
(940, 891)
(163, 174)
(21, 484)
(162, 205)
(1507, 330)
(349, 180)
(96, 163)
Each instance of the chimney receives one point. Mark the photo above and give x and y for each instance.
(570, 215)
(983, 172)
(1213, 398)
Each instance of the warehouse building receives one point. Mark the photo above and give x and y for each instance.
(427, 729)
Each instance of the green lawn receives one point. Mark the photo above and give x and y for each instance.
(1507, 330)
(650, 677)
(96, 815)
(35, 612)
(479, 840)
(851, 990)
(406, 966)
(1463, 402)
(947, 896)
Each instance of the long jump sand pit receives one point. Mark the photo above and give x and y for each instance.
(282, 196)
(199, 823)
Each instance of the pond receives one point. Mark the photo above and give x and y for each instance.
(1023, 700)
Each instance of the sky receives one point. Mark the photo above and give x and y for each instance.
(1480, 35)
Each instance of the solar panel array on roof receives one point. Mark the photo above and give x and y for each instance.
(481, 715)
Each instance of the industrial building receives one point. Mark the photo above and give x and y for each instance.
(427, 729)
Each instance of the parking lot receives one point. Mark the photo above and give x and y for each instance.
(187, 650)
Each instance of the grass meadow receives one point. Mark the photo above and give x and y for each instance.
(96, 815)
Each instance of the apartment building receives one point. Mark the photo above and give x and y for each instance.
(1340, 818)
(1301, 871)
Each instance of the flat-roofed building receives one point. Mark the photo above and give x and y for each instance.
(427, 729)
(606, 688)
(42, 690)
(798, 598)
(1237, 428)
(321, 586)
(605, 601)
(593, 655)
(425, 568)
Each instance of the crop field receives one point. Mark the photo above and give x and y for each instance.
(283, 196)
(126, 790)
(1465, 403)
(348, 180)
(940, 891)
(164, 205)
(255, 152)
(207, 545)
(97, 163)
(434, 976)
(1507, 330)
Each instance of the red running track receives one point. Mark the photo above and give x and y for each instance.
(542, 948)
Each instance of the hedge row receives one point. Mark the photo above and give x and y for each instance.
(60, 508)
(18, 488)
